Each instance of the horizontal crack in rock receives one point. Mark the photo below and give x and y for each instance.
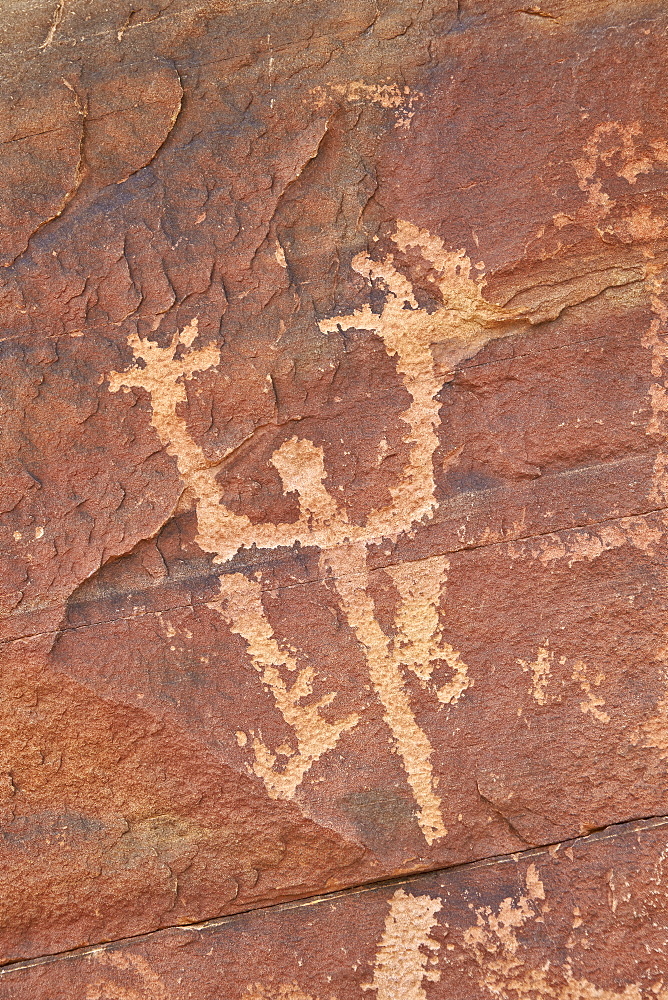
(633, 825)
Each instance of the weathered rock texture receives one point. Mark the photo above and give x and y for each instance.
(334, 348)
(581, 921)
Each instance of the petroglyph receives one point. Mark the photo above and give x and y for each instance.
(150, 985)
(163, 374)
(624, 150)
(284, 991)
(613, 141)
(301, 466)
(593, 704)
(656, 340)
(506, 968)
(495, 932)
(399, 99)
(241, 606)
(587, 544)
(540, 670)
(464, 323)
(599, 203)
(460, 326)
(55, 24)
(350, 577)
(404, 949)
(654, 731)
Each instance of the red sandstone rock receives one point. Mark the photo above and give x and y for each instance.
(583, 920)
(335, 468)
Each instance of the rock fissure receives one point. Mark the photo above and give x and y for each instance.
(615, 829)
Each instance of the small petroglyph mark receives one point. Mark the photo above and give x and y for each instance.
(279, 254)
(400, 100)
(404, 949)
(593, 704)
(540, 671)
(282, 991)
(623, 149)
(133, 969)
(507, 968)
(587, 544)
(656, 340)
(55, 24)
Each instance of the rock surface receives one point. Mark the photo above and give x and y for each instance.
(333, 355)
(584, 920)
